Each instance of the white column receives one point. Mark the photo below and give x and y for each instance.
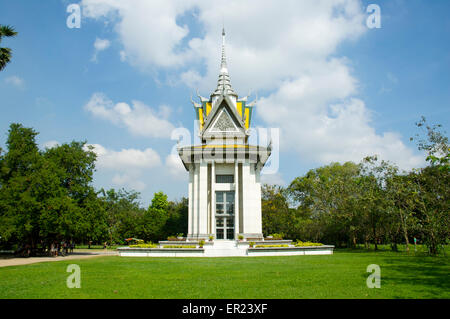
(246, 218)
(236, 199)
(195, 197)
(213, 198)
(203, 199)
(191, 201)
(257, 200)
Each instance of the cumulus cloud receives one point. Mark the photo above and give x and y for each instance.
(288, 50)
(50, 144)
(138, 118)
(16, 81)
(175, 167)
(127, 164)
(272, 179)
(100, 45)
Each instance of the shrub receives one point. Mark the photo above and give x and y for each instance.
(179, 246)
(175, 238)
(299, 243)
(275, 236)
(148, 245)
(266, 246)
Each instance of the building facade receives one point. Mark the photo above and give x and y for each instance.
(224, 170)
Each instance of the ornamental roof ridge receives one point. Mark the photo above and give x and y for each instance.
(224, 83)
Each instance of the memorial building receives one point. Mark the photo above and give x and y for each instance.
(224, 169)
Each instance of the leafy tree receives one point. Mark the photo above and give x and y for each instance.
(431, 186)
(177, 219)
(435, 143)
(329, 194)
(47, 196)
(5, 53)
(276, 216)
(124, 214)
(155, 218)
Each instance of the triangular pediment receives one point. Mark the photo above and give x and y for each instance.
(223, 122)
(224, 102)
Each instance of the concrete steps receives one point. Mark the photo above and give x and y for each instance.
(224, 248)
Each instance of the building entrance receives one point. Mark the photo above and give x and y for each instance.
(225, 215)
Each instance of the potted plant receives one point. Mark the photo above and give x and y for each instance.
(201, 243)
(211, 238)
(241, 238)
(252, 243)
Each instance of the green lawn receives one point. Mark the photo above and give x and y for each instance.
(342, 275)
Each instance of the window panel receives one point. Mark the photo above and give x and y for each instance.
(224, 179)
(219, 209)
(219, 222)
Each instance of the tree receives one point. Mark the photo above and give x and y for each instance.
(124, 214)
(6, 53)
(155, 218)
(177, 218)
(276, 216)
(328, 195)
(435, 143)
(431, 187)
(46, 195)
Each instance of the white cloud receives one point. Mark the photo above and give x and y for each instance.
(273, 179)
(100, 45)
(127, 165)
(289, 49)
(138, 118)
(175, 167)
(130, 180)
(16, 81)
(50, 144)
(126, 159)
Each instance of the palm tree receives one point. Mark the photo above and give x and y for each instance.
(5, 53)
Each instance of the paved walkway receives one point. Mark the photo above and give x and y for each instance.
(77, 254)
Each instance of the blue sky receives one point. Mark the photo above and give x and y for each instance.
(336, 89)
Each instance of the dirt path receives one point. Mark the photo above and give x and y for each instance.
(78, 254)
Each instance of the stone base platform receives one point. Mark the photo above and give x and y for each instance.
(225, 248)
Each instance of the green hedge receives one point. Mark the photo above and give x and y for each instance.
(266, 246)
(299, 243)
(144, 246)
(179, 246)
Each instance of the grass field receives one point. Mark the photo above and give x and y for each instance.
(342, 275)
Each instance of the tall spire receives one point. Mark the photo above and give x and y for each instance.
(223, 66)
(224, 83)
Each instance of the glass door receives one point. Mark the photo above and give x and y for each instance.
(225, 215)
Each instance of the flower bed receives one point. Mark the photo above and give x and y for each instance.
(144, 246)
(299, 243)
(271, 246)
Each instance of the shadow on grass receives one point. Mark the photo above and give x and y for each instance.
(428, 275)
(410, 275)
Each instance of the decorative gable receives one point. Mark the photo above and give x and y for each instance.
(223, 123)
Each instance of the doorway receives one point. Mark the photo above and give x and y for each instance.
(225, 215)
